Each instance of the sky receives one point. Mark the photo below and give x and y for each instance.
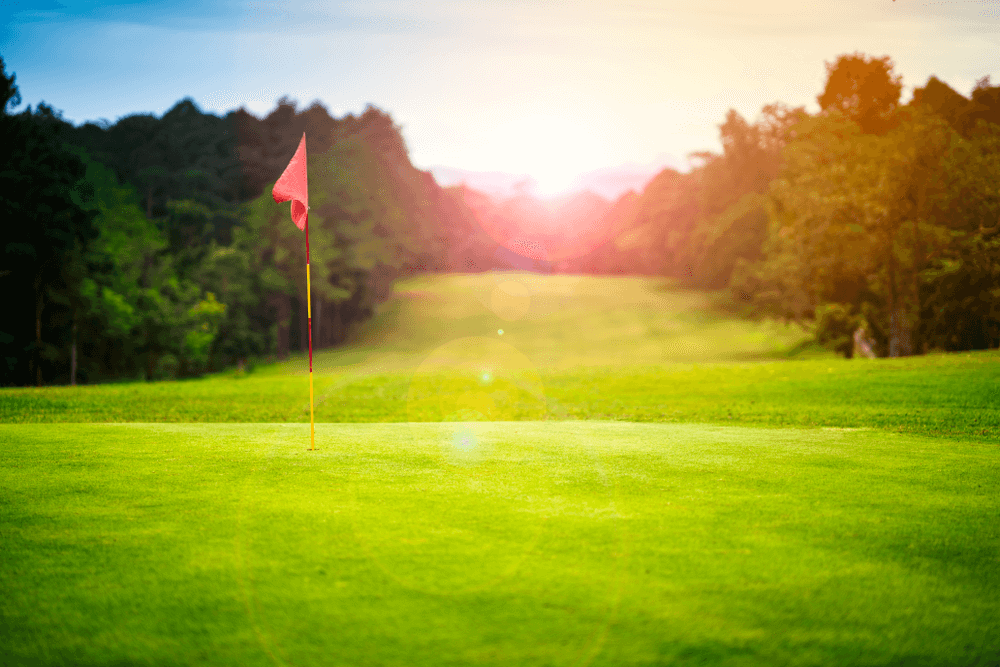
(547, 88)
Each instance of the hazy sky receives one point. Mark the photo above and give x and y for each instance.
(543, 87)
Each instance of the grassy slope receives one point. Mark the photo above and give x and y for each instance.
(582, 348)
(514, 542)
(535, 543)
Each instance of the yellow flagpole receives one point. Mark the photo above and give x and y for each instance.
(312, 423)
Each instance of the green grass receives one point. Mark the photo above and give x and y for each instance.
(508, 542)
(517, 512)
(562, 322)
(572, 347)
(951, 395)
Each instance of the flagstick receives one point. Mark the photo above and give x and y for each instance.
(309, 311)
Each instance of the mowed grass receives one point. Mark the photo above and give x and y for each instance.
(572, 347)
(527, 543)
(516, 511)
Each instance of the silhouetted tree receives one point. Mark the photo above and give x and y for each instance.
(962, 113)
(9, 94)
(864, 89)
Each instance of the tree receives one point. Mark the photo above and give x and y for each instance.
(730, 223)
(42, 196)
(10, 96)
(863, 89)
(662, 219)
(108, 309)
(961, 113)
(817, 249)
(961, 282)
(890, 231)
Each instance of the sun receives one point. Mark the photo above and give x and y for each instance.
(553, 149)
(552, 181)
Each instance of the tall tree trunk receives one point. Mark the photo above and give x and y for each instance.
(336, 328)
(318, 324)
(900, 339)
(900, 342)
(303, 325)
(150, 366)
(39, 304)
(893, 319)
(918, 265)
(72, 354)
(283, 314)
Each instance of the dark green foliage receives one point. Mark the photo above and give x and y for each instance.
(206, 181)
(835, 327)
(115, 294)
(184, 155)
(896, 222)
(172, 260)
(961, 309)
(10, 96)
(372, 219)
(46, 226)
(154, 249)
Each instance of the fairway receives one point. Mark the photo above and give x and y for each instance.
(622, 477)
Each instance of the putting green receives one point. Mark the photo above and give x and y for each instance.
(549, 543)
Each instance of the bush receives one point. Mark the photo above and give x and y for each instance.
(835, 327)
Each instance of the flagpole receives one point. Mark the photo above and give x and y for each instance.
(312, 423)
(294, 185)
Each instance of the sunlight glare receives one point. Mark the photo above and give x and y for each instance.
(548, 148)
(552, 182)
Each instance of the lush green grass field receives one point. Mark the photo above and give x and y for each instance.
(952, 395)
(539, 543)
(572, 347)
(517, 513)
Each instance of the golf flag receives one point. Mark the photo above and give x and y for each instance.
(294, 185)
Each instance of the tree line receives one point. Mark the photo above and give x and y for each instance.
(868, 217)
(150, 247)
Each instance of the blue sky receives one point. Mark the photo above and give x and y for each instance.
(547, 88)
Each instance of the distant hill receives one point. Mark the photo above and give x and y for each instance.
(498, 222)
(608, 182)
(497, 185)
(613, 182)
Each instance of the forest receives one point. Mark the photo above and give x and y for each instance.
(150, 248)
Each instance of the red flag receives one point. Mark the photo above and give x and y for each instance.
(294, 185)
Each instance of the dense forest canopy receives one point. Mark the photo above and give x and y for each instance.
(151, 247)
(870, 217)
